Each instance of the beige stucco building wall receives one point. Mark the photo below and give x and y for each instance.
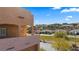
(16, 20)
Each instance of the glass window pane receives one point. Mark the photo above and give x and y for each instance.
(2, 32)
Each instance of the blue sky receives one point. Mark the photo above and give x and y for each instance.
(51, 15)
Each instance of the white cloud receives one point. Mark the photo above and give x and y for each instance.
(56, 8)
(70, 10)
(68, 18)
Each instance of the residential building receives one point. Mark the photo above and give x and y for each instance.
(14, 22)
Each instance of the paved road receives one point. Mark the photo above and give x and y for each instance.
(46, 35)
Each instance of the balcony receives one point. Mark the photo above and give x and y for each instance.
(30, 43)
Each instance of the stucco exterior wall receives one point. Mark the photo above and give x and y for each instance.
(16, 16)
(11, 30)
(10, 15)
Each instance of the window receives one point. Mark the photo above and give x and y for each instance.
(2, 32)
(21, 17)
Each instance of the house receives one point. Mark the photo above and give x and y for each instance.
(75, 31)
(14, 22)
(60, 30)
(44, 31)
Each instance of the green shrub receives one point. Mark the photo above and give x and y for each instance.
(60, 34)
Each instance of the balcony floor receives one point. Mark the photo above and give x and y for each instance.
(18, 43)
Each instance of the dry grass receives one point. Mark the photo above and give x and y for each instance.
(60, 43)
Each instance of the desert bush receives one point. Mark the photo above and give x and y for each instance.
(61, 44)
(60, 34)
